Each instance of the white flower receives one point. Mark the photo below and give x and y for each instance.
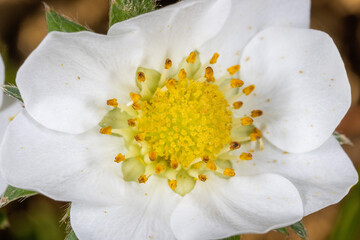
(295, 93)
(8, 109)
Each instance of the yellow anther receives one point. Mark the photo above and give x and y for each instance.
(202, 177)
(135, 97)
(237, 105)
(236, 83)
(209, 74)
(246, 156)
(245, 121)
(170, 83)
(191, 58)
(205, 158)
(256, 113)
(182, 74)
(168, 63)
(229, 172)
(106, 130)
(174, 164)
(142, 179)
(139, 137)
(248, 89)
(132, 122)
(172, 184)
(234, 69)
(159, 168)
(152, 156)
(234, 145)
(141, 76)
(214, 58)
(112, 102)
(136, 106)
(255, 135)
(211, 165)
(119, 158)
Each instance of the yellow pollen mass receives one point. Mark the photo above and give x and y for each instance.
(119, 158)
(141, 76)
(191, 58)
(168, 63)
(236, 83)
(214, 58)
(106, 130)
(248, 90)
(229, 172)
(185, 122)
(246, 156)
(112, 102)
(172, 184)
(245, 121)
(202, 177)
(234, 69)
(256, 113)
(237, 105)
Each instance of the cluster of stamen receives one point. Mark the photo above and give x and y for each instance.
(181, 126)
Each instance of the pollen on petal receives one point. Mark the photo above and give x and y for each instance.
(142, 179)
(119, 158)
(237, 105)
(229, 172)
(202, 177)
(246, 156)
(159, 168)
(211, 165)
(256, 113)
(234, 69)
(135, 97)
(182, 74)
(214, 58)
(141, 76)
(112, 102)
(248, 90)
(106, 130)
(245, 121)
(191, 58)
(172, 184)
(234, 145)
(236, 83)
(132, 122)
(152, 156)
(168, 63)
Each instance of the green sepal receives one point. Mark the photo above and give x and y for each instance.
(12, 193)
(121, 10)
(12, 91)
(283, 231)
(233, 238)
(4, 222)
(148, 88)
(71, 236)
(300, 230)
(56, 22)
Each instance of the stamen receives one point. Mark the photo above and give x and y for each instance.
(246, 121)
(256, 113)
(191, 58)
(172, 184)
(246, 156)
(132, 122)
(202, 177)
(119, 158)
(214, 58)
(135, 97)
(106, 130)
(248, 90)
(234, 69)
(168, 63)
(209, 74)
(170, 83)
(174, 164)
(211, 165)
(159, 168)
(234, 145)
(152, 156)
(136, 106)
(236, 83)
(182, 74)
(141, 76)
(112, 102)
(255, 135)
(237, 105)
(139, 137)
(229, 172)
(142, 179)
(205, 159)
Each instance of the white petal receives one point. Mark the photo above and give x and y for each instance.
(301, 86)
(220, 208)
(143, 213)
(248, 18)
(62, 166)
(323, 176)
(174, 31)
(66, 81)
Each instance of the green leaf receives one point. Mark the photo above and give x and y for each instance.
(300, 230)
(56, 22)
(4, 223)
(12, 193)
(283, 231)
(233, 238)
(12, 91)
(71, 236)
(121, 10)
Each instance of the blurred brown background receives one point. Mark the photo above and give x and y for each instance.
(23, 26)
